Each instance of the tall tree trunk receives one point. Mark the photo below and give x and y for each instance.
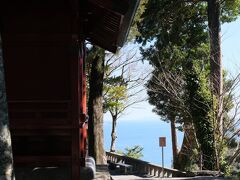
(174, 142)
(185, 155)
(113, 134)
(95, 108)
(216, 64)
(6, 158)
(215, 56)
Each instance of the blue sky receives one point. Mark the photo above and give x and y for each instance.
(231, 46)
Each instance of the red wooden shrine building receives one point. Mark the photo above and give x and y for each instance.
(43, 50)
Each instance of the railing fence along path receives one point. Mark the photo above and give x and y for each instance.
(143, 167)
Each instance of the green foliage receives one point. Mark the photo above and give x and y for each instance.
(119, 152)
(191, 163)
(170, 62)
(95, 52)
(134, 30)
(230, 142)
(173, 21)
(230, 10)
(115, 95)
(200, 106)
(134, 152)
(121, 88)
(115, 90)
(228, 171)
(225, 167)
(175, 40)
(178, 30)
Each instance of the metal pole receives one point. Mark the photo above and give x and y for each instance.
(162, 162)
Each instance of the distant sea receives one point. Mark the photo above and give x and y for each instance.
(146, 134)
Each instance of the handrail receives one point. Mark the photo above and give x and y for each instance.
(144, 167)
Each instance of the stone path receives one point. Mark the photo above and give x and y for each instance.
(132, 177)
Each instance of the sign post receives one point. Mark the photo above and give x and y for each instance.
(162, 143)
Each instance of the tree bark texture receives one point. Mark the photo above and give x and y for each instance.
(6, 158)
(95, 109)
(113, 134)
(189, 143)
(215, 56)
(216, 62)
(174, 142)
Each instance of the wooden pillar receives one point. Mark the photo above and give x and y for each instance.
(78, 144)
